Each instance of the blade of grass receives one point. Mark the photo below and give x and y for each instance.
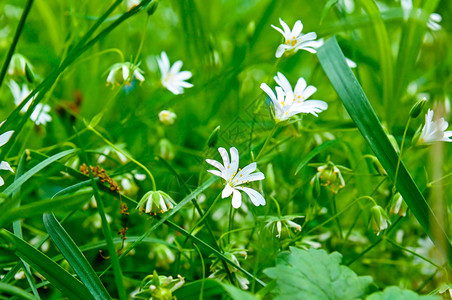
(117, 271)
(384, 52)
(55, 274)
(20, 26)
(12, 290)
(74, 257)
(313, 153)
(42, 206)
(355, 101)
(17, 225)
(22, 179)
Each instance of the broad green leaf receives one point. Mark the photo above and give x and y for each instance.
(396, 293)
(191, 291)
(313, 153)
(75, 257)
(236, 293)
(22, 179)
(55, 274)
(360, 110)
(314, 274)
(12, 290)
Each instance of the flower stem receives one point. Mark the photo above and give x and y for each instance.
(154, 187)
(266, 142)
(23, 17)
(231, 221)
(401, 152)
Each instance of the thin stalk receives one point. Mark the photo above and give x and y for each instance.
(19, 29)
(154, 187)
(338, 223)
(414, 253)
(107, 234)
(140, 48)
(218, 254)
(401, 151)
(374, 244)
(266, 142)
(231, 221)
(201, 292)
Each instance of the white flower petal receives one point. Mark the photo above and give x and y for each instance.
(4, 137)
(236, 199)
(254, 195)
(5, 166)
(227, 191)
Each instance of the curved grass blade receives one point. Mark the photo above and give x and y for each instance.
(74, 257)
(12, 290)
(355, 101)
(42, 206)
(55, 274)
(22, 179)
(313, 153)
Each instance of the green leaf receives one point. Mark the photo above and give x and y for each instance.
(55, 274)
(12, 290)
(190, 291)
(75, 257)
(22, 179)
(396, 293)
(355, 101)
(238, 294)
(314, 274)
(313, 153)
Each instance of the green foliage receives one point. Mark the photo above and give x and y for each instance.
(396, 293)
(315, 274)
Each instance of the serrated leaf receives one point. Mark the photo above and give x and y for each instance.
(396, 293)
(315, 274)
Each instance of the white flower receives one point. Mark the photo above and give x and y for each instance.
(4, 138)
(131, 3)
(288, 102)
(167, 117)
(434, 131)
(120, 73)
(235, 177)
(294, 39)
(20, 94)
(433, 21)
(154, 202)
(40, 114)
(172, 78)
(20, 66)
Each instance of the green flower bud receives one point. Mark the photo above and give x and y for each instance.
(152, 7)
(398, 206)
(379, 219)
(270, 177)
(166, 149)
(20, 66)
(417, 108)
(250, 29)
(330, 176)
(315, 183)
(159, 287)
(378, 167)
(213, 138)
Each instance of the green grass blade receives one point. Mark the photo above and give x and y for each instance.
(12, 290)
(55, 274)
(42, 206)
(22, 179)
(384, 52)
(313, 153)
(75, 257)
(355, 101)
